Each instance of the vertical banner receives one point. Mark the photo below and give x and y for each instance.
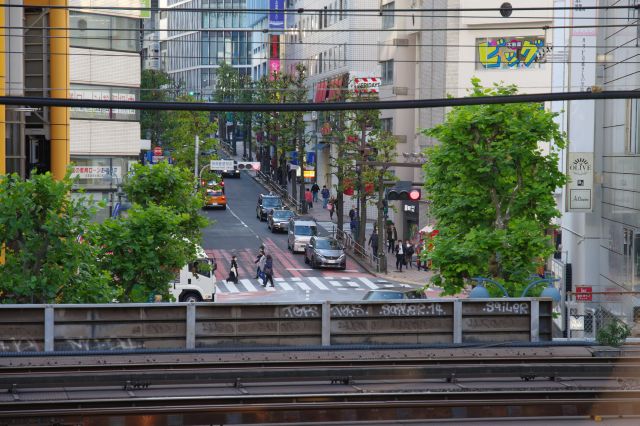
(276, 15)
(580, 185)
(581, 113)
(274, 54)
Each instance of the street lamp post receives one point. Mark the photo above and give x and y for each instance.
(549, 291)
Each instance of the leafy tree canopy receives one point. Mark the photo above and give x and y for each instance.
(46, 260)
(155, 86)
(144, 250)
(181, 136)
(172, 187)
(491, 187)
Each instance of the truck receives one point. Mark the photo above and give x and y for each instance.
(196, 281)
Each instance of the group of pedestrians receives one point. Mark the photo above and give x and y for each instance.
(311, 196)
(264, 269)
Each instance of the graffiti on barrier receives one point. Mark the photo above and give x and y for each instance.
(521, 308)
(305, 311)
(98, 345)
(412, 309)
(20, 346)
(348, 311)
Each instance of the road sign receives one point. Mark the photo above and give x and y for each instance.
(221, 165)
(157, 151)
(583, 293)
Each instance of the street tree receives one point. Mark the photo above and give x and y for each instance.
(491, 187)
(169, 186)
(42, 230)
(155, 86)
(144, 250)
(227, 86)
(181, 137)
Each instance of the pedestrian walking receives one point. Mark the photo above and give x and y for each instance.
(400, 251)
(308, 198)
(331, 207)
(325, 196)
(352, 213)
(257, 261)
(373, 242)
(261, 265)
(353, 226)
(314, 191)
(392, 236)
(233, 270)
(268, 271)
(409, 255)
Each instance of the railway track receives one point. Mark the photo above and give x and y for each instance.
(274, 388)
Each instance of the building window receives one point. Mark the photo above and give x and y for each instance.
(104, 32)
(386, 125)
(510, 52)
(104, 93)
(388, 15)
(632, 142)
(387, 71)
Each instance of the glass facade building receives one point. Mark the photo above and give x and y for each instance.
(198, 42)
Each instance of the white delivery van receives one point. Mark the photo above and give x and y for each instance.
(196, 281)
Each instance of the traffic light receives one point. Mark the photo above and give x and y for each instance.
(248, 165)
(404, 191)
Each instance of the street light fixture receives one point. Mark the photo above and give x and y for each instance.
(481, 292)
(550, 291)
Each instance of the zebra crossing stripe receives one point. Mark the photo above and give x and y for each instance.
(336, 283)
(316, 281)
(284, 285)
(248, 285)
(231, 288)
(302, 285)
(368, 283)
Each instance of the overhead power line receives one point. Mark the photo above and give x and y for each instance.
(311, 10)
(331, 106)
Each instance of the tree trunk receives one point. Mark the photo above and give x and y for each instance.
(362, 194)
(382, 260)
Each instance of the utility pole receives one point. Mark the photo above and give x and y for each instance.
(382, 260)
(339, 207)
(197, 150)
(362, 194)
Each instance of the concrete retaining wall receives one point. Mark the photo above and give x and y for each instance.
(38, 328)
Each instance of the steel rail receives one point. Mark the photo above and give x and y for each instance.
(55, 376)
(481, 404)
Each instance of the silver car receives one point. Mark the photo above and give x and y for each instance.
(300, 232)
(278, 220)
(325, 252)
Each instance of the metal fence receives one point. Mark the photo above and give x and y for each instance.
(272, 186)
(590, 312)
(358, 251)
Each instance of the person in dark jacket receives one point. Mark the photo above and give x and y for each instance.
(314, 190)
(233, 270)
(373, 242)
(325, 196)
(268, 271)
(392, 236)
(409, 255)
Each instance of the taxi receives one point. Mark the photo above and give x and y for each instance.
(215, 198)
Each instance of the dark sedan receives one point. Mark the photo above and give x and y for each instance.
(266, 203)
(325, 252)
(278, 220)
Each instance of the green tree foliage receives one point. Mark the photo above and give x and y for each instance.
(491, 188)
(144, 250)
(146, 247)
(181, 137)
(46, 260)
(171, 187)
(155, 86)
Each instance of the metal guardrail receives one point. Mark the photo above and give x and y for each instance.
(356, 250)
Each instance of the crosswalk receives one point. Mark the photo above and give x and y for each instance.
(304, 284)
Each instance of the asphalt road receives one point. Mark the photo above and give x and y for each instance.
(237, 230)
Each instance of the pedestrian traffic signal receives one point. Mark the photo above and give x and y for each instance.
(404, 192)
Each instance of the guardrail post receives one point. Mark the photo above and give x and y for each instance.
(457, 321)
(535, 320)
(191, 326)
(326, 324)
(49, 325)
